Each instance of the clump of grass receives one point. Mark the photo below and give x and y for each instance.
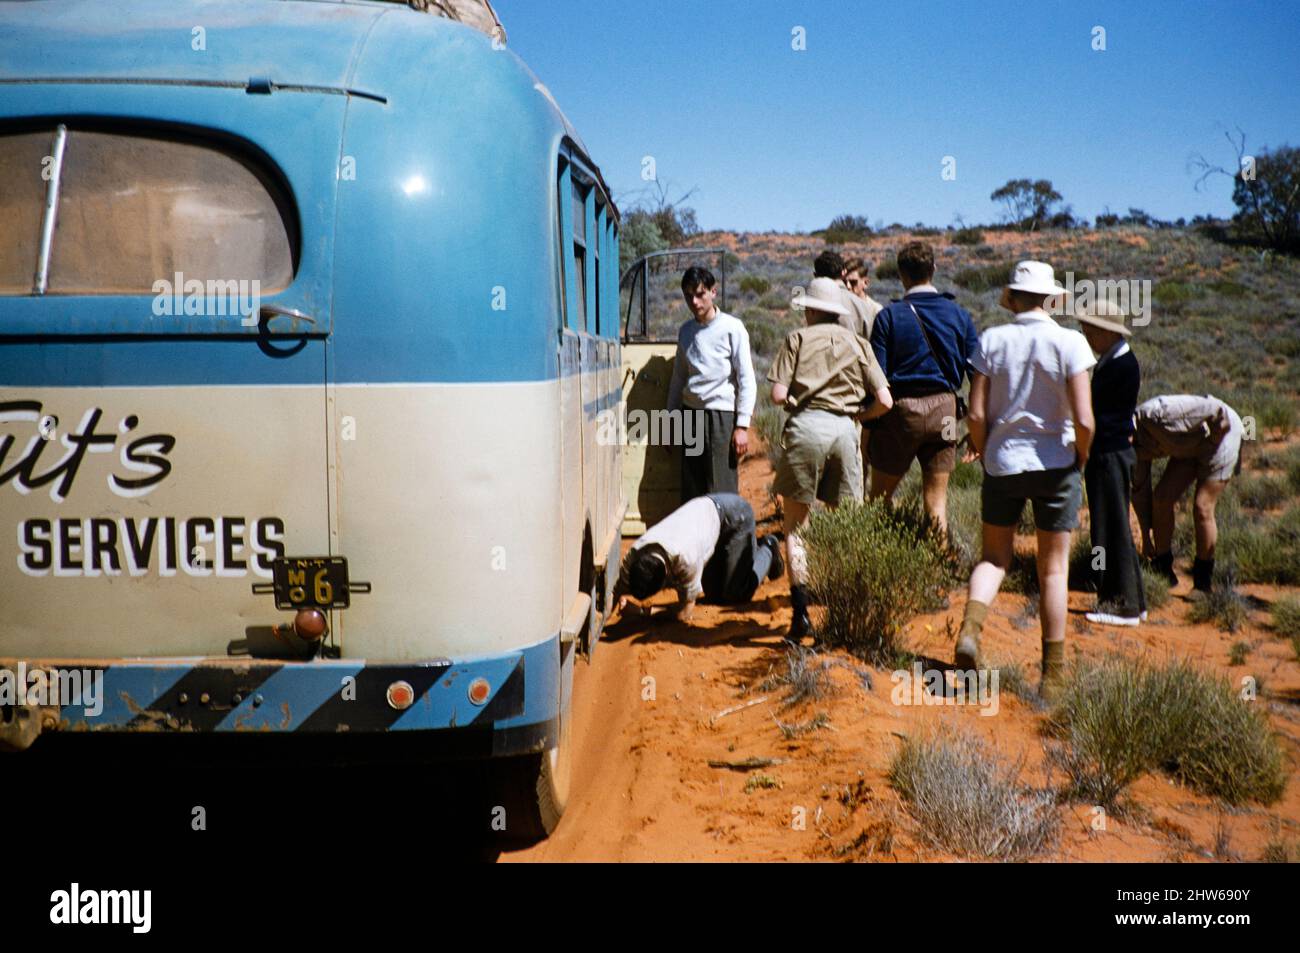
(807, 676)
(1013, 678)
(755, 284)
(1119, 718)
(1223, 605)
(1156, 587)
(757, 781)
(968, 236)
(981, 278)
(1285, 615)
(1238, 654)
(874, 567)
(1262, 492)
(968, 801)
(770, 424)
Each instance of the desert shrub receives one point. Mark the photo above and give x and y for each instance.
(778, 299)
(807, 676)
(1223, 605)
(846, 228)
(1156, 588)
(1293, 476)
(981, 278)
(756, 285)
(874, 567)
(1173, 294)
(1285, 616)
(765, 334)
(968, 801)
(1119, 718)
(966, 474)
(887, 270)
(1238, 654)
(1260, 492)
(1082, 577)
(968, 236)
(965, 524)
(1274, 414)
(1263, 551)
(1022, 574)
(1227, 288)
(770, 423)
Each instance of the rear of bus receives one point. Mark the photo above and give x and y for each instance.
(260, 447)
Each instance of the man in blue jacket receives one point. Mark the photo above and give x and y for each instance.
(923, 344)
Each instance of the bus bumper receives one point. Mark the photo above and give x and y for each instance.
(515, 713)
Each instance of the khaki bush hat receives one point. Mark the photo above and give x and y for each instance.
(822, 294)
(1106, 315)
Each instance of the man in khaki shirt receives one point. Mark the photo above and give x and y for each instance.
(823, 376)
(856, 316)
(1201, 436)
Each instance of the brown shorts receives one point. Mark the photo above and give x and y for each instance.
(917, 428)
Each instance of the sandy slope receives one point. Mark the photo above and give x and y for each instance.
(644, 790)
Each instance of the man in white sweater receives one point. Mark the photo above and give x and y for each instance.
(713, 381)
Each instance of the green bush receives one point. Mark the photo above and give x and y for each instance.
(981, 278)
(1285, 615)
(887, 270)
(1277, 415)
(1260, 492)
(968, 801)
(1156, 588)
(874, 567)
(968, 236)
(756, 285)
(1119, 718)
(770, 423)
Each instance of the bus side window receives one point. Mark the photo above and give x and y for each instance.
(579, 215)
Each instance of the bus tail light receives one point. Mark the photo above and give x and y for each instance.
(310, 625)
(401, 695)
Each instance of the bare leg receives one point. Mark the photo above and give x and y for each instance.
(1053, 570)
(796, 517)
(987, 576)
(1207, 530)
(934, 491)
(1179, 475)
(883, 484)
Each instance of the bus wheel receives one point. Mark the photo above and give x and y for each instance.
(534, 789)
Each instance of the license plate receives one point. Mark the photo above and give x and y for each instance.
(310, 581)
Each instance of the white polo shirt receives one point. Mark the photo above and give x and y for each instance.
(688, 536)
(1028, 364)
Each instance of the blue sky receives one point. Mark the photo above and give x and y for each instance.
(860, 121)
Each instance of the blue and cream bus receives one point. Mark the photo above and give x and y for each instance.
(308, 311)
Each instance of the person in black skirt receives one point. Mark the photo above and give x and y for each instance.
(1108, 475)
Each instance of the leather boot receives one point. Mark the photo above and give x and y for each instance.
(800, 624)
(1053, 683)
(966, 656)
(1202, 574)
(1164, 565)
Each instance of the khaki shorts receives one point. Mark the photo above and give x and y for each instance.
(914, 429)
(820, 459)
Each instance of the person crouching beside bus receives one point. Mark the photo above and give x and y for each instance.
(706, 546)
(1202, 438)
(823, 375)
(1121, 598)
(1031, 422)
(713, 379)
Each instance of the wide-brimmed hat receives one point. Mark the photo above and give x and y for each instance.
(822, 294)
(1035, 277)
(1106, 315)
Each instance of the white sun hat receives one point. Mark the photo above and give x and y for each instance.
(1035, 277)
(823, 294)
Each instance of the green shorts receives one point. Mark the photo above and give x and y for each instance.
(1056, 495)
(821, 459)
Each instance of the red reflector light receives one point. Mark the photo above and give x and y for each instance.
(401, 695)
(310, 624)
(479, 690)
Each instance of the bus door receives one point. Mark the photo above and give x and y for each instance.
(652, 307)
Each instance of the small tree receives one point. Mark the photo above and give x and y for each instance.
(1265, 189)
(1030, 204)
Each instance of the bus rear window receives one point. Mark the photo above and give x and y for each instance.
(133, 210)
(22, 160)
